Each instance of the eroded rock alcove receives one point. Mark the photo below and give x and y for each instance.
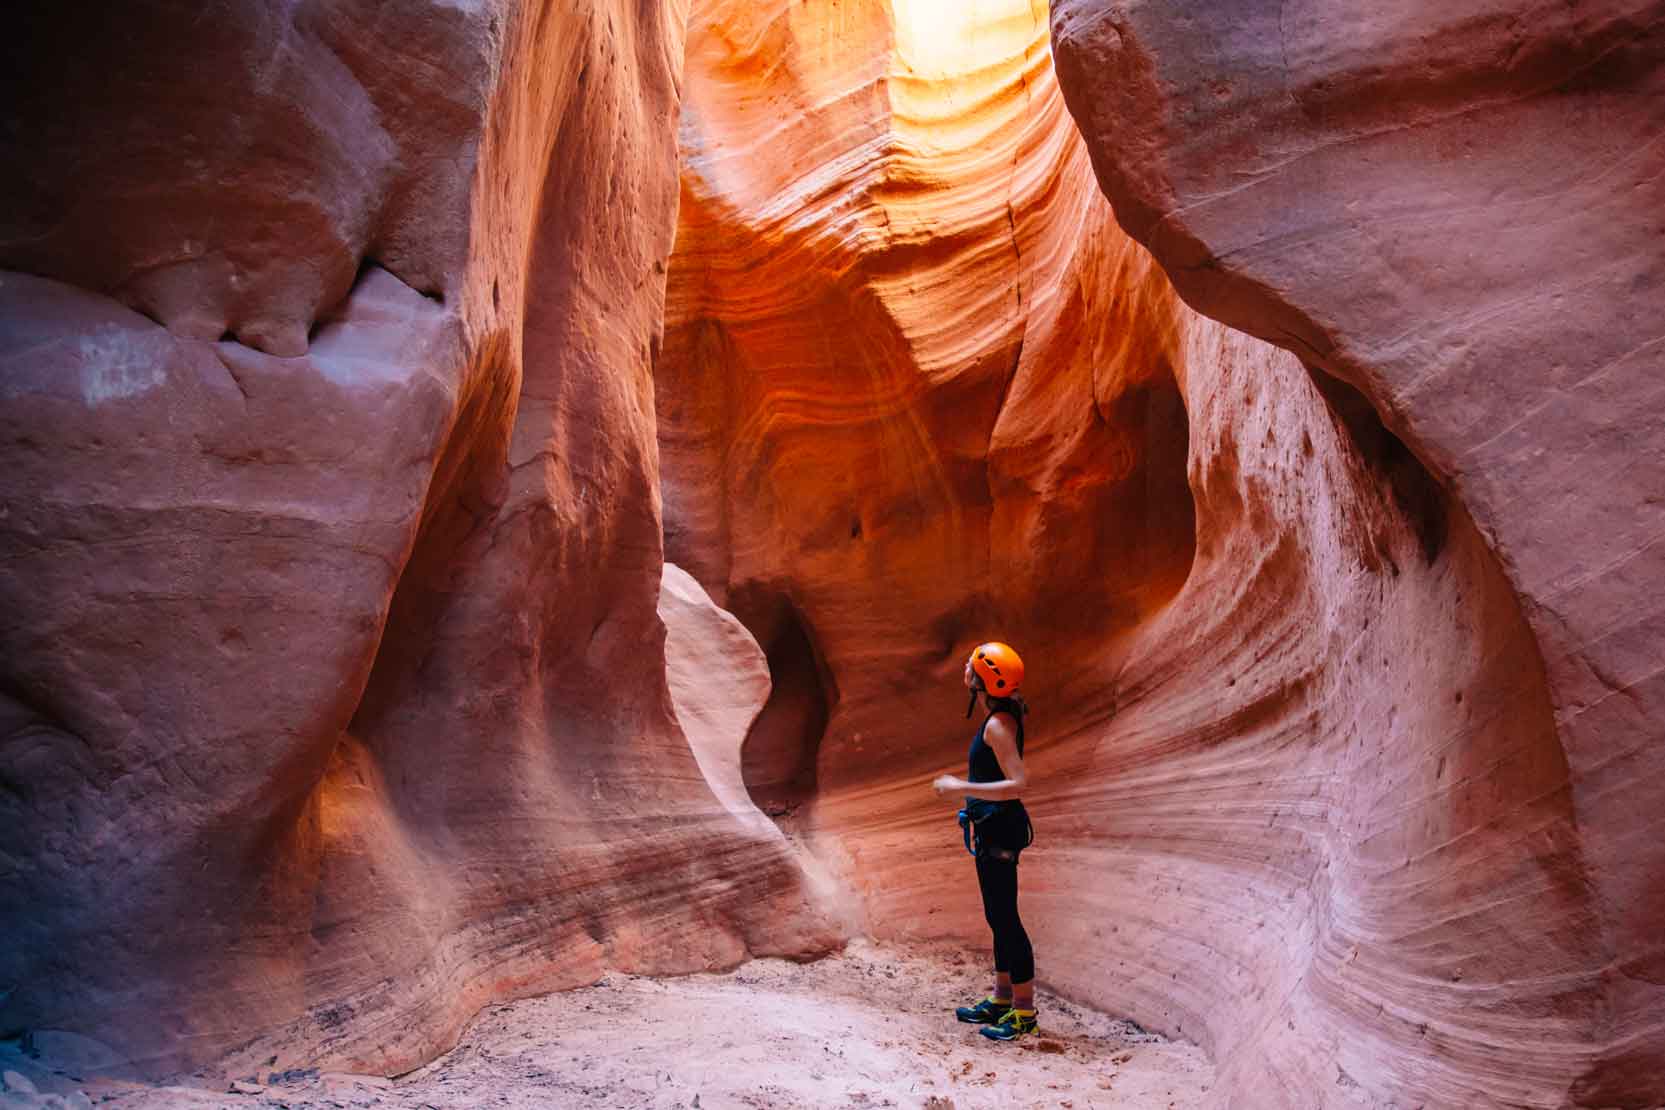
(427, 585)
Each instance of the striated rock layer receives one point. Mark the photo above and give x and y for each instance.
(1302, 793)
(343, 688)
(332, 687)
(1460, 210)
(889, 243)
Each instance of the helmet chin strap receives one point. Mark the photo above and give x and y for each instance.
(971, 703)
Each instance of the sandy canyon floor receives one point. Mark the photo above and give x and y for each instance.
(869, 1027)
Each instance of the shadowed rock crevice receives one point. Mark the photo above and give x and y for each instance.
(782, 747)
(1418, 496)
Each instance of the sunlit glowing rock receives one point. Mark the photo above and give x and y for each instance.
(1300, 793)
(869, 274)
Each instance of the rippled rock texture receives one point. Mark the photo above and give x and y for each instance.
(1307, 791)
(1461, 210)
(333, 699)
(903, 399)
(343, 687)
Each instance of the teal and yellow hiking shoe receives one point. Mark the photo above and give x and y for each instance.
(986, 1012)
(1012, 1025)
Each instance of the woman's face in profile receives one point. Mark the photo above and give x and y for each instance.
(968, 674)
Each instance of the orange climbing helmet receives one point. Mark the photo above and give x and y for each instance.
(998, 668)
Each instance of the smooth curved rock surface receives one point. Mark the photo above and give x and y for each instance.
(1303, 796)
(719, 683)
(332, 685)
(895, 296)
(228, 175)
(1461, 210)
(341, 683)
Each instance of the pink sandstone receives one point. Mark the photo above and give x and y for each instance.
(344, 687)
(1460, 209)
(332, 686)
(1305, 793)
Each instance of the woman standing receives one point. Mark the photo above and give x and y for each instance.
(997, 829)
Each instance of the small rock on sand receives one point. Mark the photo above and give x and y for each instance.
(19, 1084)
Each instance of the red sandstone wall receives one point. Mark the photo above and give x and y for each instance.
(332, 689)
(1458, 208)
(1302, 794)
(903, 398)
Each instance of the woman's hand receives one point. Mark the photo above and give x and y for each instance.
(945, 784)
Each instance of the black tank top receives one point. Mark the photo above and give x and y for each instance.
(983, 765)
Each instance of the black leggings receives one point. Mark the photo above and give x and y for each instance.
(997, 878)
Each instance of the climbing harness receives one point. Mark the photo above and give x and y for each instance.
(978, 811)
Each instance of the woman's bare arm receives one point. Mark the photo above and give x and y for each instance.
(1001, 737)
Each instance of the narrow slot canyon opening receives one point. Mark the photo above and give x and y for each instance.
(1156, 552)
(1418, 496)
(778, 759)
(874, 456)
(372, 678)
